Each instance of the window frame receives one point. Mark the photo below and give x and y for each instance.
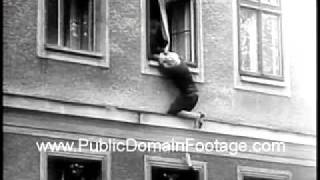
(174, 163)
(99, 58)
(105, 159)
(257, 84)
(261, 8)
(193, 33)
(150, 67)
(243, 171)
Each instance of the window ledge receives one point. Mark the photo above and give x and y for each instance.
(73, 56)
(73, 51)
(263, 86)
(262, 81)
(152, 66)
(156, 64)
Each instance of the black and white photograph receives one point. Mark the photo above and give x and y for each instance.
(159, 89)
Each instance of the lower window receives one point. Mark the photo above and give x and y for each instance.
(74, 166)
(160, 173)
(160, 168)
(62, 168)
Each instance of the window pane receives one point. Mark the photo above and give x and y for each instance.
(180, 28)
(181, 43)
(271, 45)
(179, 14)
(156, 41)
(62, 168)
(271, 2)
(248, 40)
(52, 22)
(78, 24)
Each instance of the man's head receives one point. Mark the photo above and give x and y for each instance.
(169, 59)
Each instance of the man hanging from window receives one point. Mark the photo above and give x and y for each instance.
(172, 66)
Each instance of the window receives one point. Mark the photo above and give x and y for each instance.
(259, 63)
(70, 166)
(160, 173)
(252, 173)
(159, 168)
(260, 48)
(61, 168)
(180, 15)
(70, 24)
(73, 30)
(179, 30)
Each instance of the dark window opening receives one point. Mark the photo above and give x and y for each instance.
(160, 173)
(62, 168)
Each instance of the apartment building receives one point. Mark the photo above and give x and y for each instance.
(79, 72)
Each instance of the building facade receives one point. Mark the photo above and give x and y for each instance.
(81, 70)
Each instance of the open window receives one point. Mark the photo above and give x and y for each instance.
(179, 24)
(180, 18)
(160, 173)
(74, 166)
(73, 30)
(62, 168)
(160, 168)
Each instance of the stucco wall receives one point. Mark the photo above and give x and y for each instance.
(124, 85)
(22, 161)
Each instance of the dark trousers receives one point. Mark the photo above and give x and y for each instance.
(183, 102)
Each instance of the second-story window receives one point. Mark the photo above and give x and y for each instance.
(73, 31)
(70, 24)
(260, 48)
(180, 19)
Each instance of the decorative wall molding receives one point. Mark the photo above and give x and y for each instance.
(296, 154)
(109, 113)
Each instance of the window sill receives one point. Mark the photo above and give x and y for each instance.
(73, 56)
(156, 64)
(152, 66)
(260, 85)
(262, 81)
(73, 51)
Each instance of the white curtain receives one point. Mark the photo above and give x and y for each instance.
(164, 22)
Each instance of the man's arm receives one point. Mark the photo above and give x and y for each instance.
(155, 57)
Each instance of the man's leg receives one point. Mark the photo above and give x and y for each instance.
(182, 107)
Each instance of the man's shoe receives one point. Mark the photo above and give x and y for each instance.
(200, 120)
